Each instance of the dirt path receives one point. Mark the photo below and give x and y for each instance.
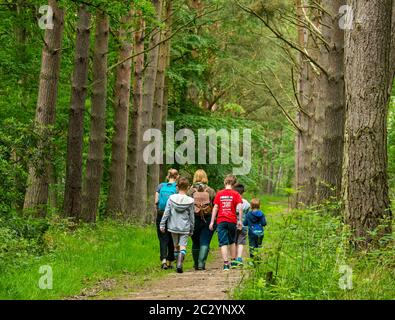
(212, 284)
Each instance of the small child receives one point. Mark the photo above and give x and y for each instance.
(255, 221)
(180, 217)
(241, 235)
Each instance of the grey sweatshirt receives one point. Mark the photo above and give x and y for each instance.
(179, 214)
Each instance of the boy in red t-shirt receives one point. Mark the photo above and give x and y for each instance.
(225, 204)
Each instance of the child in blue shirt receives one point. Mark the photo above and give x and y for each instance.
(255, 221)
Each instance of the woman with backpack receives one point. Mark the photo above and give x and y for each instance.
(203, 197)
(163, 193)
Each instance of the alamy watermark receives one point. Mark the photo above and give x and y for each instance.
(346, 17)
(46, 21)
(345, 281)
(235, 148)
(46, 280)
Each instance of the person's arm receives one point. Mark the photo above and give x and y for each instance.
(156, 198)
(165, 217)
(157, 194)
(213, 216)
(240, 222)
(192, 218)
(239, 207)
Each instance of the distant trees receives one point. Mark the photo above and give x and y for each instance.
(341, 141)
(338, 96)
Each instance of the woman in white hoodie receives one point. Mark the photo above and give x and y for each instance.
(180, 217)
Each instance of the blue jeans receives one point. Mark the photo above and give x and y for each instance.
(201, 239)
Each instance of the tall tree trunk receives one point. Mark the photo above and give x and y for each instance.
(365, 181)
(38, 179)
(73, 186)
(148, 102)
(157, 114)
(169, 21)
(115, 202)
(302, 117)
(97, 139)
(305, 177)
(392, 57)
(135, 136)
(330, 106)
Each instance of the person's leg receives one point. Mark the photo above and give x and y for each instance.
(170, 250)
(232, 231)
(205, 238)
(224, 253)
(241, 242)
(162, 241)
(196, 244)
(253, 244)
(176, 246)
(183, 242)
(223, 243)
(258, 246)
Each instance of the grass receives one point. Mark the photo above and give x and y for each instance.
(305, 251)
(102, 261)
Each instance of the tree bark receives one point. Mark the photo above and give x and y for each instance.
(73, 185)
(304, 174)
(36, 196)
(169, 21)
(157, 114)
(330, 106)
(365, 181)
(97, 139)
(148, 101)
(135, 136)
(392, 57)
(115, 202)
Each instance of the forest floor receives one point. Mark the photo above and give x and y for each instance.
(211, 284)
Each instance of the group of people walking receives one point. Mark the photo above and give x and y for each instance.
(197, 211)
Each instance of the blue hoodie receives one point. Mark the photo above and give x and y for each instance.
(255, 217)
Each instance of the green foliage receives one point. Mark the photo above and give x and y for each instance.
(233, 109)
(78, 259)
(305, 250)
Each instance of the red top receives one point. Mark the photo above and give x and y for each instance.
(227, 200)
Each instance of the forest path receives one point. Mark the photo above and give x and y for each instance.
(211, 284)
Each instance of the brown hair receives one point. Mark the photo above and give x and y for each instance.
(255, 203)
(239, 188)
(230, 180)
(183, 184)
(172, 174)
(200, 176)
